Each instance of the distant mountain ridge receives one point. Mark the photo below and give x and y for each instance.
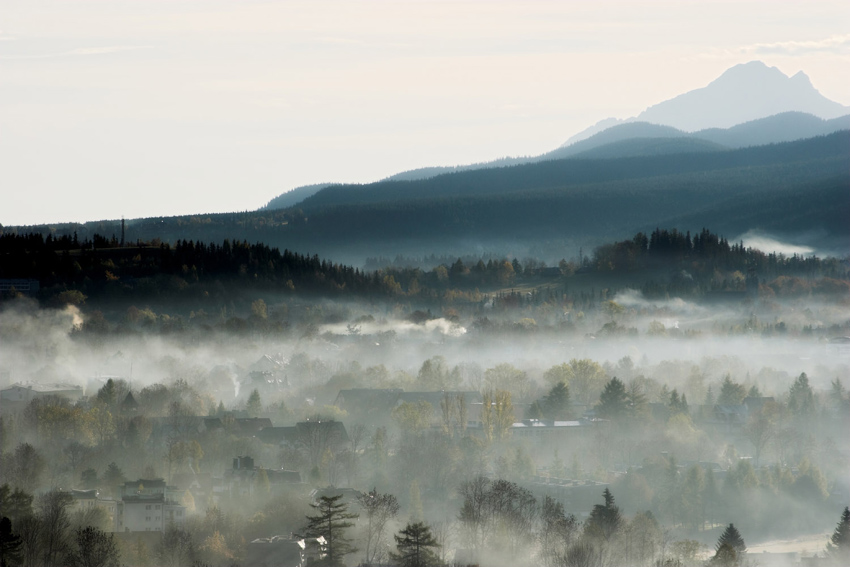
(632, 139)
(743, 93)
(294, 196)
(748, 105)
(560, 173)
(785, 127)
(547, 209)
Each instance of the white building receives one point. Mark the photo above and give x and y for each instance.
(27, 392)
(149, 505)
(86, 500)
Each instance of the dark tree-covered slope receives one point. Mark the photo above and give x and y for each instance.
(635, 138)
(559, 174)
(541, 208)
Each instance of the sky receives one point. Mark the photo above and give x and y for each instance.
(157, 108)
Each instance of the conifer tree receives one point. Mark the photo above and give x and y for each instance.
(10, 544)
(331, 522)
(838, 547)
(613, 402)
(731, 393)
(255, 406)
(415, 545)
(730, 547)
(555, 404)
(605, 519)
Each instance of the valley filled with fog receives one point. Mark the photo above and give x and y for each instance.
(579, 295)
(731, 410)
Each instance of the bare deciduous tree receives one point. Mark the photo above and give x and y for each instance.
(378, 509)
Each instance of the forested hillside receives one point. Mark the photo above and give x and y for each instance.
(196, 274)
(538, 209)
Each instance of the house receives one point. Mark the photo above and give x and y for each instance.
(18, 396)
(544, 428)
(149, 513)
(306, 433)
(27, 392)
(366, 401)
(83, 499)
(199, 485)
(266, 375)
(349, 495)
(729, 418)
(276, 551)
(754, 404)
(542, 434)
(149, 505)
(129, 406)
(87, 500)
(241, 479)
(183, 426)
(249, 426)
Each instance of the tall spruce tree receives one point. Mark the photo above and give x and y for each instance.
(731, 393)
(557, 402)
(415, 545)
(730, 547)
(255, 405)
(605, 520)
(838, 547)
(331, 522)
(613, 402)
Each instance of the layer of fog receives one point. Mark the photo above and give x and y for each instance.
(41, 345)
(787, 245)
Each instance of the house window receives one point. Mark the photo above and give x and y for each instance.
(157, 518)
(179, 513)
(148, 519)
(148, 507)
(157, 506)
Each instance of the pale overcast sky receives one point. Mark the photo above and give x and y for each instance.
(154, 107)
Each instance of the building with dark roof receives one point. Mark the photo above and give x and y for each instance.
(305, 433)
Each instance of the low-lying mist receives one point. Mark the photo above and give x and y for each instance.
(673, 418)
(656, 335)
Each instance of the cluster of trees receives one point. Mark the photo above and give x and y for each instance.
(781, 186)
(46, 532)
(501, 522)
(498, 521)
(707, 256)
(499, 516)
(70, 271)
(187, 269)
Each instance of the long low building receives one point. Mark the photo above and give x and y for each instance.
(145, 505)
(27, 392)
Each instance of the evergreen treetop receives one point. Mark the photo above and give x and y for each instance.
(613, 402)
(838, 547)
(330, 522)
(605, 519)
(732, 537)
(415, 545)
